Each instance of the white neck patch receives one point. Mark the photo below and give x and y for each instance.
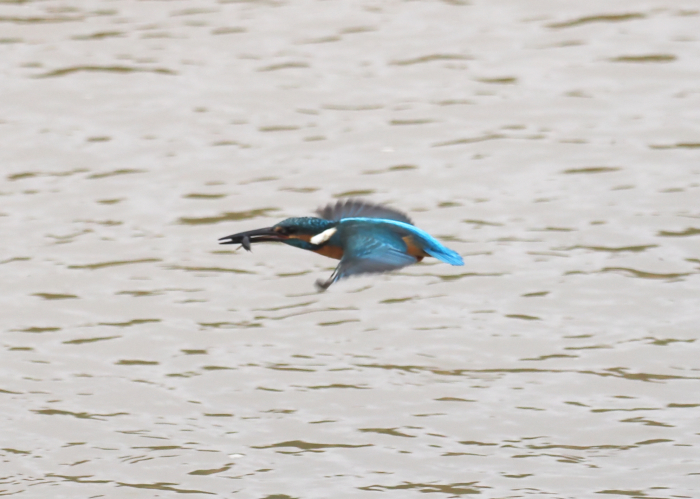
(323, 236)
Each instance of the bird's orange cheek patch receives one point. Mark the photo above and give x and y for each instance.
(303, 237)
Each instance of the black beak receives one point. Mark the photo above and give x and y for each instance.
(252, 236)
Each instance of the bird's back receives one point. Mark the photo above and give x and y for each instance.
(413, 241)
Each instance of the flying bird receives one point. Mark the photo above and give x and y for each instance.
(366, 238)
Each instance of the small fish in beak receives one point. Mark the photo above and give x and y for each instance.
(252, 236)
(245, 242)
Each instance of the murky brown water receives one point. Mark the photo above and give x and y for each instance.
(556, 147)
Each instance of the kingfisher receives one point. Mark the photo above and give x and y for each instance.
(365, 237)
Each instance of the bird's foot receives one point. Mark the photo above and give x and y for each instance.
(321, 285)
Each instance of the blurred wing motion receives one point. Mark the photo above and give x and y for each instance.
(418, 237)
(354, 208)
(366, 253)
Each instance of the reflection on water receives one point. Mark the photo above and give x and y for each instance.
(555, 149)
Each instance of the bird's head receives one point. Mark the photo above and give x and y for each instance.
(302, 232)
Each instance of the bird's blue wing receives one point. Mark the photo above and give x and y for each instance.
(427, 242)
(365, 253)
(353, 208)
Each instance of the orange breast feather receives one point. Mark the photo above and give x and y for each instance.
(412, 249)
(330, 251)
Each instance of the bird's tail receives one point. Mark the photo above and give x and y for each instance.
(445, 254)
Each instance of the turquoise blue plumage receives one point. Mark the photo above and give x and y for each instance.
(366, 238)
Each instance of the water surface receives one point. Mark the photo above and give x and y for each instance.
(555, 147)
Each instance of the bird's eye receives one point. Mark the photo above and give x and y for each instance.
(285, 231)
